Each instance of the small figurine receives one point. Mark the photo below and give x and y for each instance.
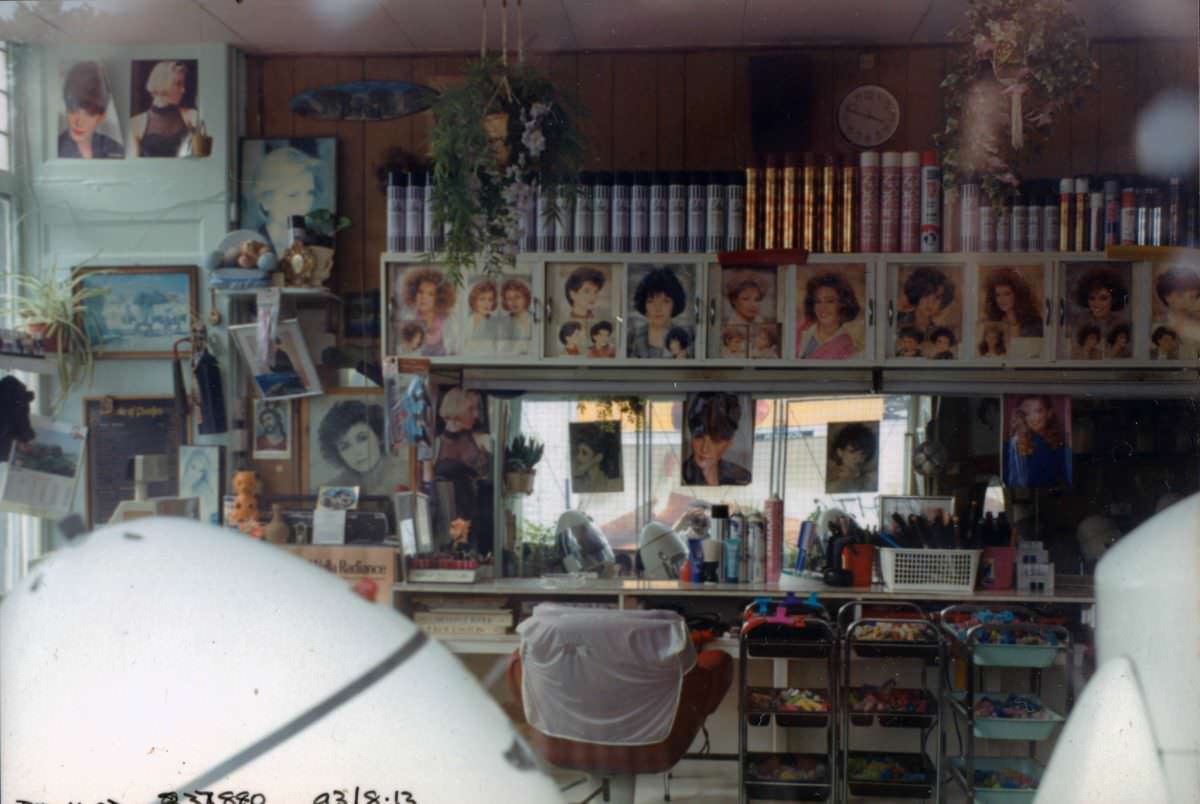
(245, 503)
(460, 534)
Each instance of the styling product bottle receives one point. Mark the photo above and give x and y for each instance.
(1112, 210)
(697, 211)
(545, 221)
(737, 534)
(639, 213)
(1066, 195)
(808, 204)
(774, 517)
(889, 202)
(987, 224)
(756, 547)
(735, 211)
(621, 193)
(1080, 205)
(714, 221)
(1051, 223)
(1096, 217)
(931, 203)
(1003, 212)
(788, 191)
(1156, 217)
(1129, 195)
(1144, 200)
(969, 215)
(432, 233)
(718, 531)
(951, 218)
(910, 202)
(712, 551)
(1018, 238)
(527, 206)
(584, 241)
(828, 202)
(602, 212)
(414, 205)
(659, 192)
(868, 208)
(1174, 214)
(771, 204)
(564, 227)
(397, 186)
(847, 207)
(1033, 211)
(677, 210)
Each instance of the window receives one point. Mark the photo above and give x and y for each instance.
(5, 121)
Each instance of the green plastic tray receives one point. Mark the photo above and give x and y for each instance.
(1006, 728)
(1015, 655)
(989, 795)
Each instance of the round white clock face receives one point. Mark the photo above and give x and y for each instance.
(868, 116)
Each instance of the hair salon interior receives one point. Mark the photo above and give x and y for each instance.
(557, 400)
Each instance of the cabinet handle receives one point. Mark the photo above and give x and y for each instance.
(870, 312)
(1049, 312)
(712, 313)
(534, 309)
(891, 312)
(1062, 312)
(548, 311)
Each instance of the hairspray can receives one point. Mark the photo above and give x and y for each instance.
(1096, 219)
(846, 204)
(433, 234)
(771, 204)
(1144, 200)
(1080, 201)
(583, 212)
(1003, 214)
(397, 187)
(697, 210)
(1112, 210)
(1033, 232)
(969, 215)
(788, 234)
(774, 521)
(735, 211)
(889, 202)
(737, 534)
(677, 208)
(564, 228)
(1129, 215)
(1051, 225)
(545, 220)
(868, 202)
(714, 224)
(951, 218)
(1174, 214)
(910, 202)
(718, 530)
(621, 192)
(808, 204)
(639, 213)
(1066, 195)
(414, 204)
(1019, 235)
(987, 224)
(829, 171)
(602, 212)
(931, 203)
(659, 192)
(1156, 217)
(756, 539)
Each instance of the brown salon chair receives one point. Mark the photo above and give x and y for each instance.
(561, 650)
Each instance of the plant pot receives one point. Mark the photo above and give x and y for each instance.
(50, 343)
(496, 127)
(519, 482)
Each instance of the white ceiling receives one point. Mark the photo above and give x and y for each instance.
(406, 26)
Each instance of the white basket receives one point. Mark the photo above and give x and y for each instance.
(907, 570)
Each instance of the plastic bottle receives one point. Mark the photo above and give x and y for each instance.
(910, 202)
(677, 209)
(697, 211)
(639, 213)
(889, 202)
(931, 203)
(735, 211)
(397, 186)
(583, 212)
(659, 191)
(414, 205)
(714, 223)
(622, 191)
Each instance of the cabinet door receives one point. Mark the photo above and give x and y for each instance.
(1096, 304)
(421, 312)
(662, 304)
(925, 311)
(1174, 330)
(583, 311)
(746, 312)
(1010, 317)
(498, 314)
(834, 307)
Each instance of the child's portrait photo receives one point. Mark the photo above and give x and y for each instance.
(582, 296)
(764, 341)
(1175, 313)
(88, 125)
(735, 340)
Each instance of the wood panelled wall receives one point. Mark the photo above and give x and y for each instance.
(691, 110)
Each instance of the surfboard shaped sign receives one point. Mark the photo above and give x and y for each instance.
(364, 101)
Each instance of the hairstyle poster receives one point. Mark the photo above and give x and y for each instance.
(929, 311)
(162, 107)
(1175, 312)
(88, 125)
(1011, 311)
(718, 439)
(346, 445)
(272, 430)
(852, 458)
(1037, 441)
(748, 304)
(280, 178)
(1098, 296)
(498, 315)
(830, 311)
(660, 307)
(422, 315)
(596, 457)
(200, 476)
(410, 410)
(584, 304)
(462, 466)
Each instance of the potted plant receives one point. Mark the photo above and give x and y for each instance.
(522, 456)
(53, 310)
(506, 130)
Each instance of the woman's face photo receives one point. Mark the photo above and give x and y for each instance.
(514, 301)
(426, 297)
(586, 458)
(1100, 302)
(1006, 298)
(485, 302)
(358, 448)
(82, 124)
(825, 306)
(707, 451)
(178, 86)
(585, 298)
(746, 303)
(269, 423)
(930, 304)
(1035, 414)
(658, 309)
(296, 195)
(851, 457)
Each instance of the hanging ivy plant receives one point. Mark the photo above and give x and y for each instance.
(1023, 62)
(506, 130)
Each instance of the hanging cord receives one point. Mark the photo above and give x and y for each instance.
(483, 32)
(520, 36)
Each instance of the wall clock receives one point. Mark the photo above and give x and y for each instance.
(868, 116)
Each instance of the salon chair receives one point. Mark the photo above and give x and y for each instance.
(614, 694)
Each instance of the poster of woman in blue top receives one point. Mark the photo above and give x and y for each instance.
(1037, 441)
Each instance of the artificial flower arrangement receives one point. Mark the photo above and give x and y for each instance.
(1023, 62)
(505, 131)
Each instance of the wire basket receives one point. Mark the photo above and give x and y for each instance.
(906, 570)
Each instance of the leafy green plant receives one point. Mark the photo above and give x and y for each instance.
(325, 222)
(536, 533)
(524, 453)
(633, 407)
(506, 130)
(54, 309)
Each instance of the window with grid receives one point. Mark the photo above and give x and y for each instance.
(6, 149)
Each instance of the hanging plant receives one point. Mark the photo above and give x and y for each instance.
(1022, 63)
(506, 130)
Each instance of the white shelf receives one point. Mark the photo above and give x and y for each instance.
(34, 365)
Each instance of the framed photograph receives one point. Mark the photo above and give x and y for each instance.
(1175, 313)
(360, 313)
(1037, 441)
(747, 303)
(929, 311)
(200, 476)
(1011, 310)
(831, 305)
(88, 125)
(596, 457)
(462, 466)
(162, 105)
(718, 439)
(1099, 298)
(421, 311)
(661, 310)
(412, 523)
(283, 177)
(337, 498)
(345, 445)
(498, 315)
(272, 430)
(852, 458)
(288, 372)
(144, 310)
(409, 408)
(902, 506)
(584, 309)
(40, 476)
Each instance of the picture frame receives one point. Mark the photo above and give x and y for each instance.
(595, 450)
(201, 474)
(421, 311)
(718, 439)
(281, 177)
(291, 375)
(170, 82)
(84, 86)
(274, 430)
(852, 458)
(346, 442)
(146, 309)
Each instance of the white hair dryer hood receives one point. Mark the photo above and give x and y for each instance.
(145, 656)
(584, 546)
(662, 552)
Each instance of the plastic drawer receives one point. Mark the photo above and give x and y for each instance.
(814, 790)
(1015, 655)
(1010, 728)
(895, 788)
(992, 795)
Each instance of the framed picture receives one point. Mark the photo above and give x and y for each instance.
(200, 476)
(462, 465)
(41, 475)
(337, 498)
(661, 310)
(1175, 313)
(1011, 306)
(1037, 441)
(360, 315)
(288, 371)
(902, 506)
(584, 308)
(929, 311)
(346, 440)
(144, 311)
(1098, 300)
(498, 316)
(272, 430)
(852, 458)
(409, 407)
(595, 457)
(164, 90)
(747, 303)
(831, 305)
(88, 125)
(422, 315)
(718, 439)
(283, 177)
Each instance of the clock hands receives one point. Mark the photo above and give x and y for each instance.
(857, 113)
